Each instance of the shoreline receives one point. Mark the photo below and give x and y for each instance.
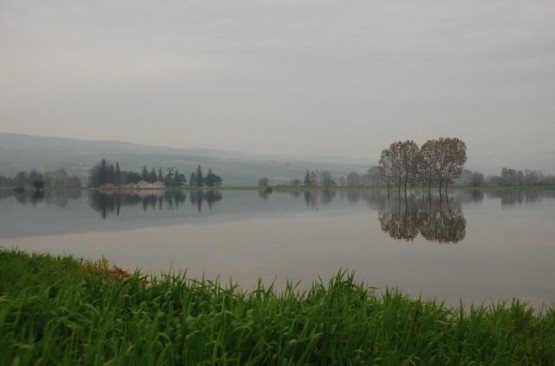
(62, 309)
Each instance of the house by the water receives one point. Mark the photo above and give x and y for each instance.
(133, 186)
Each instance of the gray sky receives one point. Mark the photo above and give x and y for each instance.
(290, 76)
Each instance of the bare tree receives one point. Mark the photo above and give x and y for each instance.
(313, 178)
(374, 176)
(437, 161)
(403, 157)
(389, 166)
(410, 159)
(326, 179)
(353, 179)
(295, 182)
(429, 163)
(453, 157)
(477, 179)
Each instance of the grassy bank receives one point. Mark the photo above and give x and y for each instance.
(61, 310)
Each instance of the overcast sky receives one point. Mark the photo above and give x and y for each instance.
(297, 77)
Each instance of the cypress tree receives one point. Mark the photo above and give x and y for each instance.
(200, 179)
(144, 174)
(307, 179)
(118, 174)
(160, 175)
(103, 174)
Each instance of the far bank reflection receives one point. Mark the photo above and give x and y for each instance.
(513, 197)
(111, 203)
(436, 219)
(58, 198)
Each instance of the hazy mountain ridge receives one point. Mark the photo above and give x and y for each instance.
(78, 156)
(237, 168)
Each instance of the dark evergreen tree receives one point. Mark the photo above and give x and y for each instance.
(103, 174)
(199, 178)
(152, 176)
(111, 174)
(38, 184)
(118, 174)
(179, 179)
(160, 175)
(307, 178)
(133, 177)
(32, 177)
(144, 174)
(208, 178)
(169, 179)
(193, 180)
(212, 179)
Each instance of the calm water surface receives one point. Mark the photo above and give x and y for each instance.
(478, 246)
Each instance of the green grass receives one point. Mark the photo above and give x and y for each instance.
(62, 310)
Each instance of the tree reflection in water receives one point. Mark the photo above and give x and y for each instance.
(58, 198)
(513, 197)
(313, 199)
(198, 196)
(111, 203)
(436, 219)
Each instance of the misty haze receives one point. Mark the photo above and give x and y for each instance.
(292, 182)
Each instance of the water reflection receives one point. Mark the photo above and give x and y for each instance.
(438, 220)
(402, 219)
(111, 203)
(510, 198)
(58, 198)
(315, 199)
(473, 195)
(304, 234)
(374, 198)
(198, 197)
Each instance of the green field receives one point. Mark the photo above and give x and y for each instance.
(62, 310)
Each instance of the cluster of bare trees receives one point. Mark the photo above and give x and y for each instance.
(313, 179)
(434, 219)
(354, 179)
(439, 161)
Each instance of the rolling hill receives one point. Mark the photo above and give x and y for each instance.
(18, 152)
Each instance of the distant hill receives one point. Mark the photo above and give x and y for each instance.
(19, 152)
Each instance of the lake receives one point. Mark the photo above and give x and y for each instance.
(478, 246)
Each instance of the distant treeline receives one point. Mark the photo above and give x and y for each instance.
(55, 179)
(508, 177)
(105, 173)
(403, 163)
(512, 177)
(313, 178)
(437, 162)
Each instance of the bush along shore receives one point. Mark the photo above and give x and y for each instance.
(63, 310)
